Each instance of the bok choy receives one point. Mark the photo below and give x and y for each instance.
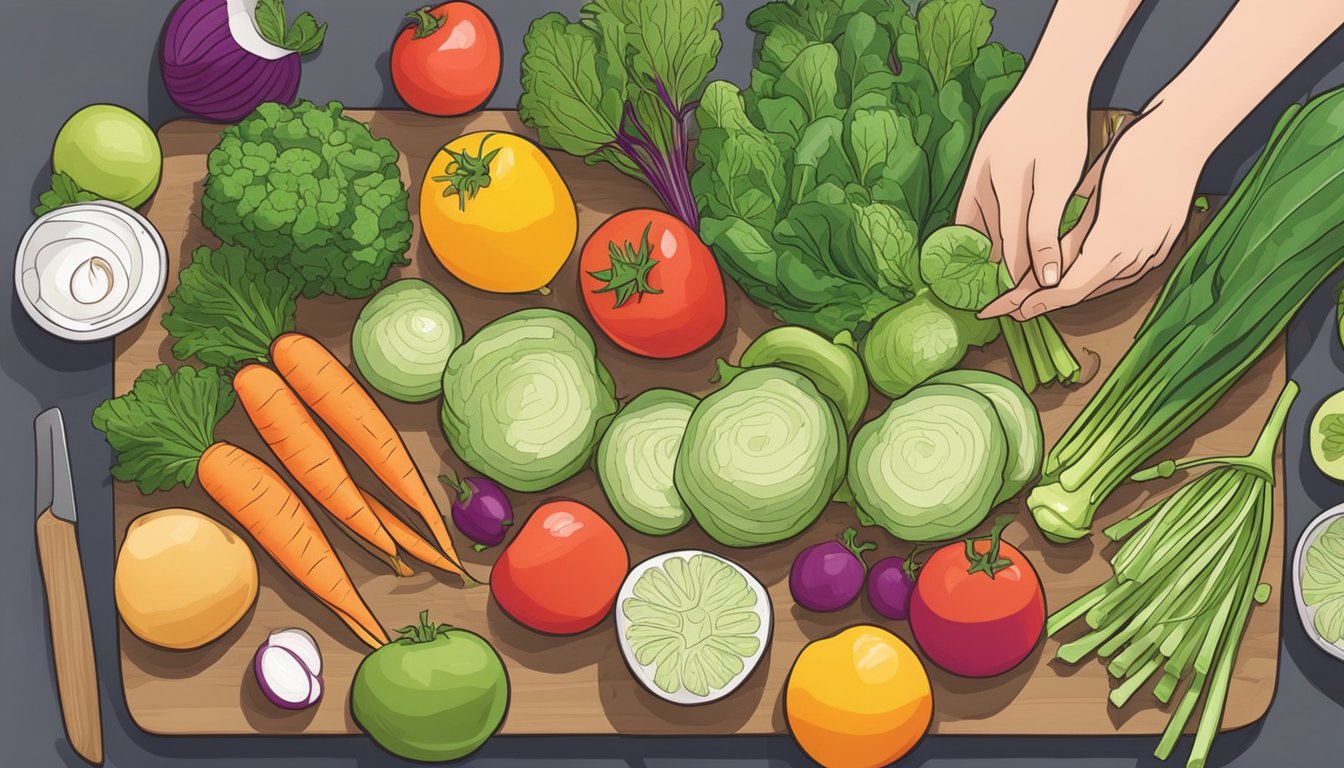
(1279, 236)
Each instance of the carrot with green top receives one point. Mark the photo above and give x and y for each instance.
(328, 387)
(163, 431)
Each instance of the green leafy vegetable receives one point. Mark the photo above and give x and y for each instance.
(228, 307)
(1074, 211)
(303, 36)
(1323, 582)
(1020, 419)
(1280, 235)
(955, 262)
(635, 460)
(619, 86)
(911, 343)
(64, 191)
(1185, 577)
(312, 193)
(818, 182)
(162, 426)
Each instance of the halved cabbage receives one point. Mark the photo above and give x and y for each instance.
(1021, 423)
(526, 400)
(761, 457)
(636, 457)
(930, 467)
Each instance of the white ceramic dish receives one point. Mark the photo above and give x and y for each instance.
(89, 271)
(1305, 612)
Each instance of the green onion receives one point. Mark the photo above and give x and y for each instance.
(1183, 585)
(1279, 236)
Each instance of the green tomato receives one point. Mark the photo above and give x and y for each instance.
(109, 151)
(436, 694)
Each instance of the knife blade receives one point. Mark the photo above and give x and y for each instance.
(63, 585)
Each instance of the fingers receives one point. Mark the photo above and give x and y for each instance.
(1013, 224)
(1009, 302)
(979, 210)
(1100, 262)
(1049, 197)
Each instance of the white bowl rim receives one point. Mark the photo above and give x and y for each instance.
(1305, 613)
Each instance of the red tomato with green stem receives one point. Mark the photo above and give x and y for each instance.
(650, 284)
(447, 61)
(561, 572)
(978, 608)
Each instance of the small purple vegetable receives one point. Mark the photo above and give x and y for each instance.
(889, 588)
(482, 511)
(288, 667)
(829, 576)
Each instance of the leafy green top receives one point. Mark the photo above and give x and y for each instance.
(467, 174)
(955, 262)
(303, 36)
(162, 426)
(64, 191)
(818, 182)
(310, 192)
(228, 307)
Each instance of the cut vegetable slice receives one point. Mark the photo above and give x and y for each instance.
(761, 458)
(1021, 423)
(692, 625)
(931, 466)
(636, 457)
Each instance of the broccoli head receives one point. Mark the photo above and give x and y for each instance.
(313, 194)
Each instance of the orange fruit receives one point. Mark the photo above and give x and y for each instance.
(858, 699)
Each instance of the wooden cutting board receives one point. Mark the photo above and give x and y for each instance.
(579, 684)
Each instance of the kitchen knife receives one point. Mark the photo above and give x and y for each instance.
(63, 582)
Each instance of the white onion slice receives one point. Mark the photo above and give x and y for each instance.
(288, 667)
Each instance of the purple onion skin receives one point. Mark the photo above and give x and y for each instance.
(890, 588)
(208, 74)
(276, 700)
(485, 516)
(826, 577)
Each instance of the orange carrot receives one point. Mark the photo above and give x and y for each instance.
(409, 539)
(334, 395)
(302, 446)
(273, 514)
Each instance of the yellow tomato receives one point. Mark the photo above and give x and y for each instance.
(858, 699)
(496, 212)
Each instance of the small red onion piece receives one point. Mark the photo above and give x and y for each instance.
(216, 65)
(288, 667)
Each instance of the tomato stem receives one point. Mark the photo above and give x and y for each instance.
(989, 563)
(849, 539)
(628, 276)
(467, 174)
(426, 23)
(424, 633)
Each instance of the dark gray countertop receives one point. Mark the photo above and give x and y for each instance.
(59, 55)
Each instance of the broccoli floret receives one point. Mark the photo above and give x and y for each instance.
(313, 194)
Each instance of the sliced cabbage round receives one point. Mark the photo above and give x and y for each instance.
(526, 400)
(1021, 423)
(761, 458)
(636, 457)
(402, 340)
(930, 467)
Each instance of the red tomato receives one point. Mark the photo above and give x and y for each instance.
(651, 285)
(561, 573)
(978, 617)
(447, 62)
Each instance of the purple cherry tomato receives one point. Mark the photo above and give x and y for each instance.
(481, 511)
(829, 576)
(890, 587)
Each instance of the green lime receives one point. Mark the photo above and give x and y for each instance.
(109, 151)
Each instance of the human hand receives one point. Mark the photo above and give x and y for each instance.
(1024, 170)
(1139, 195)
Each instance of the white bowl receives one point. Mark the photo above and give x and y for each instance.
(1306, 612)
(132, 267)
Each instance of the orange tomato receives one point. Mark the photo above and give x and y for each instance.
(858, 699)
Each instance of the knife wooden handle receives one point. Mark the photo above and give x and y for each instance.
(71, 640)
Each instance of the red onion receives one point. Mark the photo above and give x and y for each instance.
(219, 63)
(288, 667)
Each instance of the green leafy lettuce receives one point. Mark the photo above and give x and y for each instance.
(162, 426)
(818, 182)
(228, 307)
(312, 193)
